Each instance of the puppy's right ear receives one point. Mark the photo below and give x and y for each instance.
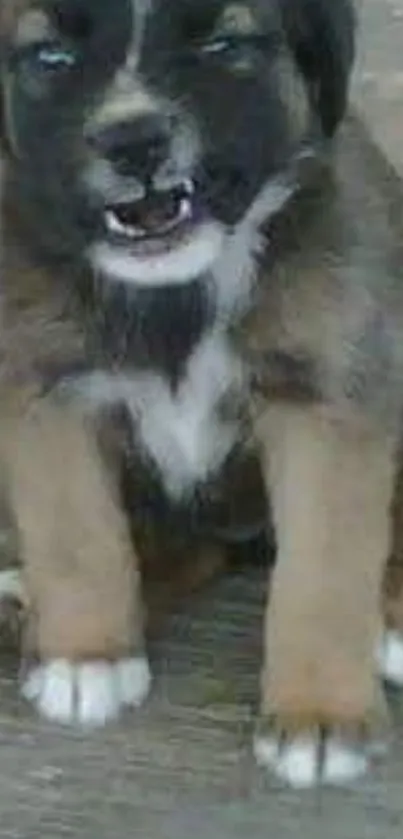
(321, 35)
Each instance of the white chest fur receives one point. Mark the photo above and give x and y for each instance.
(181, 430)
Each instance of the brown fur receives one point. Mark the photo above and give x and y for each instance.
(331, 483)
(81, 572)
(334, 307)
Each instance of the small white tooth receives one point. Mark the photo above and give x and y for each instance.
(133, 232)
(189, 186)
(113, 223)
(185, 209)
(115, 226)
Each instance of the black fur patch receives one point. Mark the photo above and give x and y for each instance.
(151, 329)
(322, 36)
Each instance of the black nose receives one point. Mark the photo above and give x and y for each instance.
(136, 148)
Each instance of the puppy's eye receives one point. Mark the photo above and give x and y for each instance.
(217, 46)
(54, 57)
(239, 51)
(39, 67)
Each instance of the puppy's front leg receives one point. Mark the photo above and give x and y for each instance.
(81, 575)
(331, 484)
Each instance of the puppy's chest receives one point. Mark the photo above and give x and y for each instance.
(167, 357)
(186, 429)
(191, 429)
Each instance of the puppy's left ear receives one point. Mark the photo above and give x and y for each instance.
(321, 35)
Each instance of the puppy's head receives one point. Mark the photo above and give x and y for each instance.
(143, 133)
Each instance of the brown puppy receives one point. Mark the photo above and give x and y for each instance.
(147, 141)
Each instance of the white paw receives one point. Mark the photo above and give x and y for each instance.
(305, 762)
(389, 657)
(88, 693)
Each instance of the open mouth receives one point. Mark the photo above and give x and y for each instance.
(165, 237)
(159, 217)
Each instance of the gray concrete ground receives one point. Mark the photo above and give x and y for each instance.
(182, 765)
(379, 77)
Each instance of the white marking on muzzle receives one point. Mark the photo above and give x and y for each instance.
(127, 97)
(182, 264)
(123, 105)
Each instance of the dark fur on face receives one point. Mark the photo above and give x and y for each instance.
(228, 89)
(185, 106)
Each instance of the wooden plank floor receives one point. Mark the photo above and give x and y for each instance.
(182, 764)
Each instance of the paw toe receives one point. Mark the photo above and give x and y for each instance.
(89, 693)
(306, 761)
